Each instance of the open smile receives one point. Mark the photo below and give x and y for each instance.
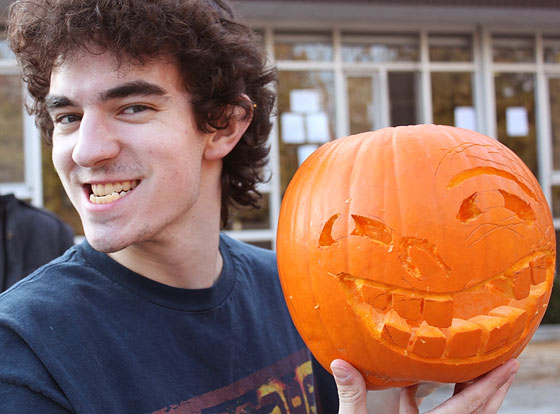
(430, 325)
(109, 192)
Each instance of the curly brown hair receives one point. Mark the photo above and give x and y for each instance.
(217, 55)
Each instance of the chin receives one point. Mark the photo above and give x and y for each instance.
(105, 243)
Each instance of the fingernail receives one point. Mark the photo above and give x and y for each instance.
(514, 371)
(340, 373)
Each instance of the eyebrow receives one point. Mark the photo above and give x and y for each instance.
(139, 88)
(473, 172)
(142, 88)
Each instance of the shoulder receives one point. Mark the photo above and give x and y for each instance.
(48, 285)
(29, 312)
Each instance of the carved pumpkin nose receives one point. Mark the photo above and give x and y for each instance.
(420, 253)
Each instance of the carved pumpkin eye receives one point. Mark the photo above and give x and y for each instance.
(373, 229)
(421, 253)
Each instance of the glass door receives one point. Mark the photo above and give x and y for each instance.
(554, 102)
(363, 102)
(380, 99)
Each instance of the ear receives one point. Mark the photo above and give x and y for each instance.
(222, 141)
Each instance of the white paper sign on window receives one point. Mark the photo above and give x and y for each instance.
(465, 117)
(293, 128)
(305, 151)
(317, 127)
(305, 101)
(517, 121)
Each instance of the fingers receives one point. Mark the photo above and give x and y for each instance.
(483, 395)
(494, 404)
(351, 387)
(408, 400)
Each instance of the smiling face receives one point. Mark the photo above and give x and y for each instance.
(126, 148)
(432, 260)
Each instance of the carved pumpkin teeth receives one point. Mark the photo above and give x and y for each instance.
(538, 270)
(428, 341)
(438, 310)
(422, 324)
(464, 339)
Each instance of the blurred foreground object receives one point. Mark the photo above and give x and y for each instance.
(30, 238)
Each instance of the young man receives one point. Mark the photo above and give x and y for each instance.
(158, 113)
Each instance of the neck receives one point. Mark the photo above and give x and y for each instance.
(188, 264)
(187, 254)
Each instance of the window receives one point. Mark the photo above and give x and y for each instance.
(452, 99)
(11, 130)
(305, 117)
(301, 46)
(19, 142)
(513, 49)
(554, 95)
(448, 47)
(379, 48)
(515, 111)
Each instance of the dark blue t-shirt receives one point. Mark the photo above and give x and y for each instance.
(84, 334)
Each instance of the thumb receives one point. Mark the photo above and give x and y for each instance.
(351, 387)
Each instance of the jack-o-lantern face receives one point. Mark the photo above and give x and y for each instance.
(416, 253)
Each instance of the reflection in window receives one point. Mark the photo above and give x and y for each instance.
(403, 98)
(450, 48)
(556, 201)
(554, 93)
(303, 47)
(513, 49)
(246, 218)
(360, 104)
(357, 48)
(305, 117)
(551, 46)
(11, 129)
(452, 99)
(557, 255)
(515, 111)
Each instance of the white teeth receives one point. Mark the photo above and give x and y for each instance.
(107, 193)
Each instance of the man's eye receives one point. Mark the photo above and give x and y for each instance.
(67, 119)
(134, 109)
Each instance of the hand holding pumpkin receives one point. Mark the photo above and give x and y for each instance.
(481, 396)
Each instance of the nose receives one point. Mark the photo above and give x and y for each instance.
(98, 141)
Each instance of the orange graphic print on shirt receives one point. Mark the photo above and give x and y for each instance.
(285, 387)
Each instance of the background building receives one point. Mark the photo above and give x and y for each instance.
(356, 65)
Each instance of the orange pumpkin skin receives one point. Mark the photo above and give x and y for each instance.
(419, 253)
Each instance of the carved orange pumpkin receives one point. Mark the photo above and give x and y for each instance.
(419, 253)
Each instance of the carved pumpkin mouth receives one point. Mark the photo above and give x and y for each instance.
(417, 308)
(432, 325)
